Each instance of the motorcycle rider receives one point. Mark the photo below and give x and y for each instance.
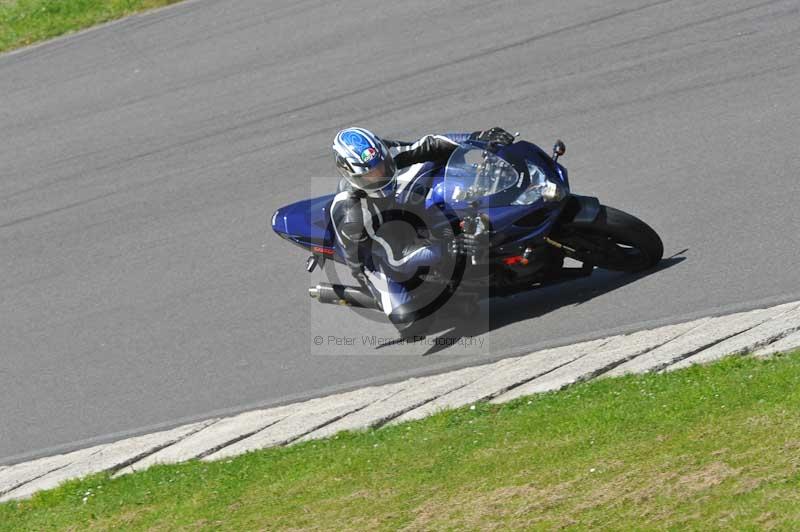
(380, 254)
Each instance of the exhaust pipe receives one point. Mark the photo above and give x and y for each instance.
(337, 294)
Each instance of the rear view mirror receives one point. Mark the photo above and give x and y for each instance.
(559, 149)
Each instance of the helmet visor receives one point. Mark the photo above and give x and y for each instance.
(373, 179)
(378, 177)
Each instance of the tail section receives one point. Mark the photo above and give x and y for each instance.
(307, 224)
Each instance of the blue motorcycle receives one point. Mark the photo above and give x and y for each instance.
(517, 197)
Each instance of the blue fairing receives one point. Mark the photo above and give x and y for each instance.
(307, 223)
(512, 224)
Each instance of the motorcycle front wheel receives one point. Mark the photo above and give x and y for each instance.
(615, 241)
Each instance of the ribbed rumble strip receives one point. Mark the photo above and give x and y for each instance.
(415, 393)
(618, 349)
(322, 425)
(110, 457)
(214, 437)
(750, 340)
(787, 343)
(216, 448)
(713, 332)
(19, 475)
(304, 421)
(27, 481)
(154, 450)
(504, 374)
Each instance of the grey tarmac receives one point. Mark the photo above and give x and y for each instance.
(142, 289)
(414, 398)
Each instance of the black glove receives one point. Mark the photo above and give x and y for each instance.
(496, 135)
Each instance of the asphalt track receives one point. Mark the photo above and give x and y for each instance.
(140, 163)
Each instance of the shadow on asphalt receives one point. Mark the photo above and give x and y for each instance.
(500, 312)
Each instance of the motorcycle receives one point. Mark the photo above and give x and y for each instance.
(517, 198)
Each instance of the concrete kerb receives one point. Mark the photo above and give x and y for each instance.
(314, 415)
(787, 343)
(707, 334)
(747, 341)
(108, 457)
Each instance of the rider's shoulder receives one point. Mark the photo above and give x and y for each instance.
(346, 197)
(345, 189)
(343, 186)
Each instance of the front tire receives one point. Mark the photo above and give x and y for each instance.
(615, 241)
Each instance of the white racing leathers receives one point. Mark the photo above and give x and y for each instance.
(379, 235)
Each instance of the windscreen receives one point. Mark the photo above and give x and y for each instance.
(473, 173)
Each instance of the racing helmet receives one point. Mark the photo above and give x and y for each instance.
(364, 161)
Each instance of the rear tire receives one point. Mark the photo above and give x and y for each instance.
(615, 241)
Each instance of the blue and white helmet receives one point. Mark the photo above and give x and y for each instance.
(364, 160)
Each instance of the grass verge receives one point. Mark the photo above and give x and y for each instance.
(708, 447)
(24, 22)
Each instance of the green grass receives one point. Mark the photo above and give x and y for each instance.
(710, 447)
(23, 22)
